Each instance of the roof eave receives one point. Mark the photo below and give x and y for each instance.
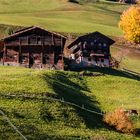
(32, 27)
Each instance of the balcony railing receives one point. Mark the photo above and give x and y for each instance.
(34, 41)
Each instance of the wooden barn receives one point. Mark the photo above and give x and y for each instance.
(90, 50)
(33, 47)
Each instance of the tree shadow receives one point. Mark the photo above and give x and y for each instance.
(72, 88)
(113, 72)
(74, 91)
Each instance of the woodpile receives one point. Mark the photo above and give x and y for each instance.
(114, 63)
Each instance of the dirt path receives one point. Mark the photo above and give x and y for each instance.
(127, 51)
(122, 53)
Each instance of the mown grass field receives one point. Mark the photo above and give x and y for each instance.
(63, 16)
(40, 119)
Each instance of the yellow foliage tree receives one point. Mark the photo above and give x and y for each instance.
(130, 24)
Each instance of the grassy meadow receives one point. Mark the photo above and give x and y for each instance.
(48, 119)
(63, 16)
(26, 94)
(129, 57)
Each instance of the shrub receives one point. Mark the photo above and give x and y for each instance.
(119, 120)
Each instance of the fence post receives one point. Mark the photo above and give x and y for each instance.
(62, 99)
(83, 106)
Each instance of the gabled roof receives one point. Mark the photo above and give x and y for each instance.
(93, 34)
(19, 32)
(26, 28)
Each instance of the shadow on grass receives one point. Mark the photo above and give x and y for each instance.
(113, 72)
(72, 88)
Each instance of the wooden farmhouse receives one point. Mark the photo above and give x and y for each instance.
(90, 50)
(33, 47)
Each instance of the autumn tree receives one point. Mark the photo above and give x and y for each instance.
(130, 24)
(138, 1)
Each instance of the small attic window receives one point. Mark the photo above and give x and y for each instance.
(92, 43)
(85, 42)
(95, 40)
(104, 44)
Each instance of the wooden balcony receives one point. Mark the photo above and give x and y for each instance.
(27, 41)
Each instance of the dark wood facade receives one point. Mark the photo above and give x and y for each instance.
(90, 50)
(33, 47)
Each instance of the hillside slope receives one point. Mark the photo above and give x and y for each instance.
(63, 16)
(129, 58)
(22, 93)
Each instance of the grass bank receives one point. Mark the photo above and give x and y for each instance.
(48, 119)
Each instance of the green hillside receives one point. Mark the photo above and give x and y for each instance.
(26, 97)
(129, 57)
(63, 16)
(35, 100)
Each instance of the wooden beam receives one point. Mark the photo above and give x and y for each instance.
(62, 53)
(4, 54)
(42, 53)
(52, 39)
(28, 52)
(19, 53)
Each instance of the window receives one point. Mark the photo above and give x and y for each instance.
(85, 51)
(92, 43)
(33, 40)
(100, 44)
(89, 59)
(46, 59)
(38, 40)
(23, 40)
(94, 48)
(96, 59)
(102, 60)
(59, 57)
(24, 58)
(104, 44)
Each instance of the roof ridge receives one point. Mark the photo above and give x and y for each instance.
(23, 29)
(30, 28)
